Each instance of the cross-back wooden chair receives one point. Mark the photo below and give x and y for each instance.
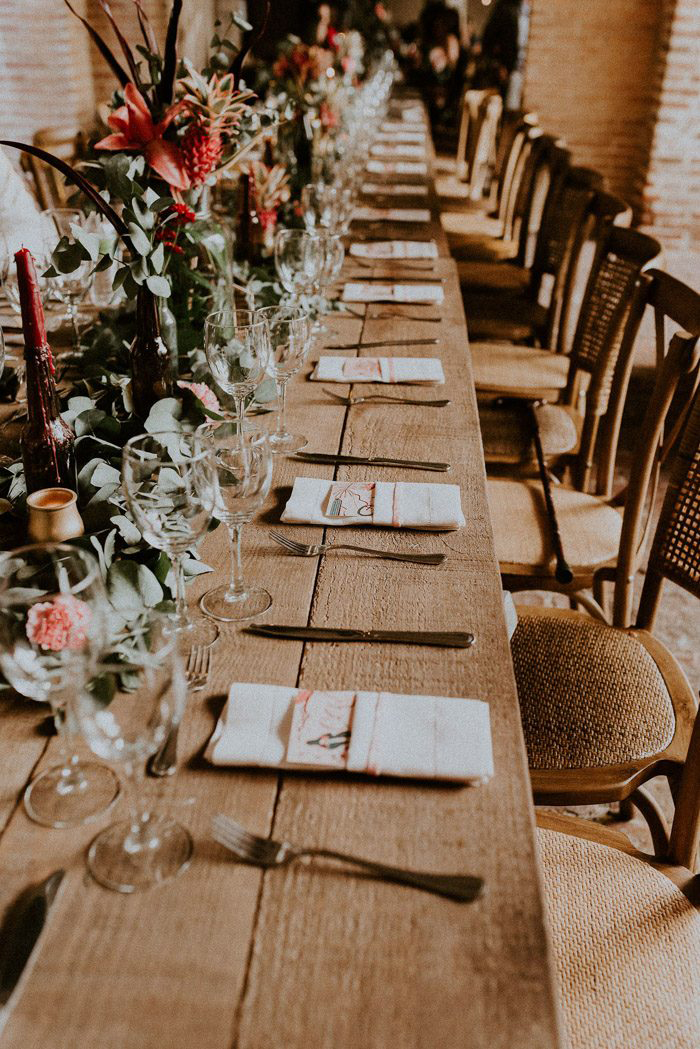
(49, 185)
(606, 708)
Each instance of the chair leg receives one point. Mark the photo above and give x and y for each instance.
(650, 810)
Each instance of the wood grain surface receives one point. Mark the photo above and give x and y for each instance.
(313, 956)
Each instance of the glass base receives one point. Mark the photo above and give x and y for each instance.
(285, 443)
(199, 631)
(167, 851)
(218, 604)
(55, 800)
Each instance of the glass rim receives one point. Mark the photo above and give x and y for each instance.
(210, 320)
(257, 435)
(129, 451)
(90, 560)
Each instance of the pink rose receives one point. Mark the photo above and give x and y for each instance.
(203, 393)
(59, 623)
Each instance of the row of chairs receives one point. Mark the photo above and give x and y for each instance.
(556, 288)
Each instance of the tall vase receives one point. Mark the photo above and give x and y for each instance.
(152, 373)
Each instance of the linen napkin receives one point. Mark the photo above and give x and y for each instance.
(395, 249)
(387, 504)
(412, 115)
(391, 215)
(379, 369)
(378, 733)
(397, 149)
(357, 291)
(402, 125)
(400, 134)
(400, 167)
(394, 189)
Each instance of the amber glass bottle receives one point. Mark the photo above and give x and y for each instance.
(151, 363)
(47, 441)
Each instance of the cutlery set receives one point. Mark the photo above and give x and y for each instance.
(371, 460)
(383, 398)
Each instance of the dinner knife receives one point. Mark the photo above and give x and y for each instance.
(19, 937)
(375, 460)
(449, 639)
(383, 342)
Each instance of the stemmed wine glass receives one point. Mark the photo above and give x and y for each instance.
(68, 288)
(244, 476)
(125, 714)
(319, 205)
(237, 347)
(332, 252)
(290, 339)
(297, 260)
(170, 489)
(53, 629)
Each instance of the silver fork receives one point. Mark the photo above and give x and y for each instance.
(264, 852)
(387, 315)
(164, 761)
(319, 549)
(382, 397)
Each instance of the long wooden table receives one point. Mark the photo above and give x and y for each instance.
(312, 956)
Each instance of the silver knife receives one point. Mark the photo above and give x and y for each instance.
(385, 342)
(375, 460)
(449, 639)
(19, 937)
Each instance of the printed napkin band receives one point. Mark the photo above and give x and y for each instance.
(377, 733)
(394, 189)
(357, 291)
(399, 167)
(391, 215)
(395, 249)
(379, 369)
(385, 504)
(398, 149)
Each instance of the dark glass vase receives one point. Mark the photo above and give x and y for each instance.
(152, 372)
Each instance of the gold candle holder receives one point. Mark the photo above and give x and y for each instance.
(54, 516)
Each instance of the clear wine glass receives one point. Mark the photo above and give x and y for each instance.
(244, 476)
(125, 713)
(69, 288)
(319, 203)
(297, 260)
(291, 334)
(237, 347)
(53, 629)
(170, 489)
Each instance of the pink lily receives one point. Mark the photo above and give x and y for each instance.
(134, 129)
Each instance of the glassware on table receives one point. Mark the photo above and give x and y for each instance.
(68, 288)
(291, 334)
(244, 476)
(53, 629)
(332, 253)
(297, 261)
(170, 489)
(237, 347)
(319, 204)
(125, 714)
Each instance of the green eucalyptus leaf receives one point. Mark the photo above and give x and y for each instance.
(132, 586)
(160, 286)
(139, 239)
(127, 529)
(105, 474)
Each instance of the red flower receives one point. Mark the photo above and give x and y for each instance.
(134, 130)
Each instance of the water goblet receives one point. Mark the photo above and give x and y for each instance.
(291, 334)
(169, 486)
(53, 628)
(319, 205)
(332, 252)
(125, 713)
(237, 347)
(297, 260)
(244, 476)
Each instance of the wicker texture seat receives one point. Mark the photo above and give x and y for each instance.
(626, 946)
(498, 278)
(528, 371)
(502, 430)
(590, 695)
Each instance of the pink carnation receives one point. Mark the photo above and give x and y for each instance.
(203, 393)
(59, 623)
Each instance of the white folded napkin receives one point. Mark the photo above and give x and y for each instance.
(377, 733)
(387, 504)
(403, 125)
(397, 149)
(395, 249)
(412, 115)
(391, 215)
(400, 134)
(399, 167)
(357, 291)
(379, 369)
(394, 189)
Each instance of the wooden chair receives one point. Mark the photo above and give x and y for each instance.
(50, 188)
(609, 319)
(595, 536)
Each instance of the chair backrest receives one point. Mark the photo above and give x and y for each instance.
(541, 168)
(514, 124)
(50, 187)
(607, 327)
(483, 155)
(513, 174)
(470, 116)
(675, 552)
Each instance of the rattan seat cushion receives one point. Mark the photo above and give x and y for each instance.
(502, 366)
(466, 225)
(590, 529)
(590, 695)
(506, 432)
(496, 276)
(626, 945)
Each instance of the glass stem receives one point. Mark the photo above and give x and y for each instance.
(236, 588)
(282, 413)
(72, 778)
(182, 619)
(73, 314)
(240, 414)
(139, 837)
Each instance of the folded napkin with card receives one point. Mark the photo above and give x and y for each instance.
(385, 504)
(379, 369)
(391, 215)
(358, 291)
(376, 733)
(395, 249)
(398, 149)
(394, 189)
(399, 167)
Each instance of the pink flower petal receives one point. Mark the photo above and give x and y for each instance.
(118, 141)
(166, 159)
(140, 121)
(119, 119)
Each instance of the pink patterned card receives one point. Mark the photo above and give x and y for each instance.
(362, 369)
(351, 499)
(320, 731)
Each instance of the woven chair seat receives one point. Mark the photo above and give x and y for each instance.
(626, 947)
(503, 367)
(494, 276)
(590, 695)
(590, 529)
(504, 318)
(467, 225)
(506, 432)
